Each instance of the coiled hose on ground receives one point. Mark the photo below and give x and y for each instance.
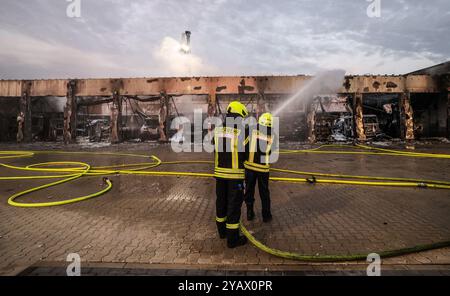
(69, 171)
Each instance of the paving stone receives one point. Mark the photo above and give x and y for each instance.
(171, 220)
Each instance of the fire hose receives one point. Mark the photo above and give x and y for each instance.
(69, 171)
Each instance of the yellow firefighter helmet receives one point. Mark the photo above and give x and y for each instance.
(237, 108)
(266, 120)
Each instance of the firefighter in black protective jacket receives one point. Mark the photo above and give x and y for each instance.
(230, 141)
(257, 167)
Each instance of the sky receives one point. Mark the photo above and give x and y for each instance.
(141, 38)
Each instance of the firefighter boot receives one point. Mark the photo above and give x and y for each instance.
(267, 216)
(234, 239)
(250, 212)
(222, 229)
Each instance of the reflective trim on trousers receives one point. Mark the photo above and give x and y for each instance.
(221, 220)
(233, 226)
(239, 176)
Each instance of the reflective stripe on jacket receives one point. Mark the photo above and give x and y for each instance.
(259, 153)
(229, 161)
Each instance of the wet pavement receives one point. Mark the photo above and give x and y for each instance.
(170, 220)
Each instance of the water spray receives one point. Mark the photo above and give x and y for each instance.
(327, 82)
(186, 42)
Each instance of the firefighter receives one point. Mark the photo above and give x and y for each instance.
(257, 167)
(229, 142)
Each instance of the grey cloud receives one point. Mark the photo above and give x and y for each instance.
(118, 37)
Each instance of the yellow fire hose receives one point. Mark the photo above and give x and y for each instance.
(69, 171)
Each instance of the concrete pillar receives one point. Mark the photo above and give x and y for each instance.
(70, 114)
(407, 117)
(163, 117)
(311, 121)
(24, 118)
(358, 117)
(116, 118)
(212, 104)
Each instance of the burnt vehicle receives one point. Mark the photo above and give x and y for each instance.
(150, 129)
(323, 126)
(47, 126)
(371, 126)
(328, 109)
(98, 129)
(343, 128)
(55, 128)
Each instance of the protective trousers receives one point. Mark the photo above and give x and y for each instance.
(230, 196)
(251, 177)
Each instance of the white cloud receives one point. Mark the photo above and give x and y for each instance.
(39, 54)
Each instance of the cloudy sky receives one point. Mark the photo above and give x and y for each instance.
(126, 38)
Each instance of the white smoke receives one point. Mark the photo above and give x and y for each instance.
(325, 82)
(176, 63)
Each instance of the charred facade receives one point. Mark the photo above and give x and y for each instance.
(408, 107)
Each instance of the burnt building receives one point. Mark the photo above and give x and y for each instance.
(411, 106)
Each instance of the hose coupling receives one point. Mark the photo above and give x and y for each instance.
(422, 185)
(311, 180)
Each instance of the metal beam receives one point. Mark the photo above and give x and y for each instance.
(220, 85)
